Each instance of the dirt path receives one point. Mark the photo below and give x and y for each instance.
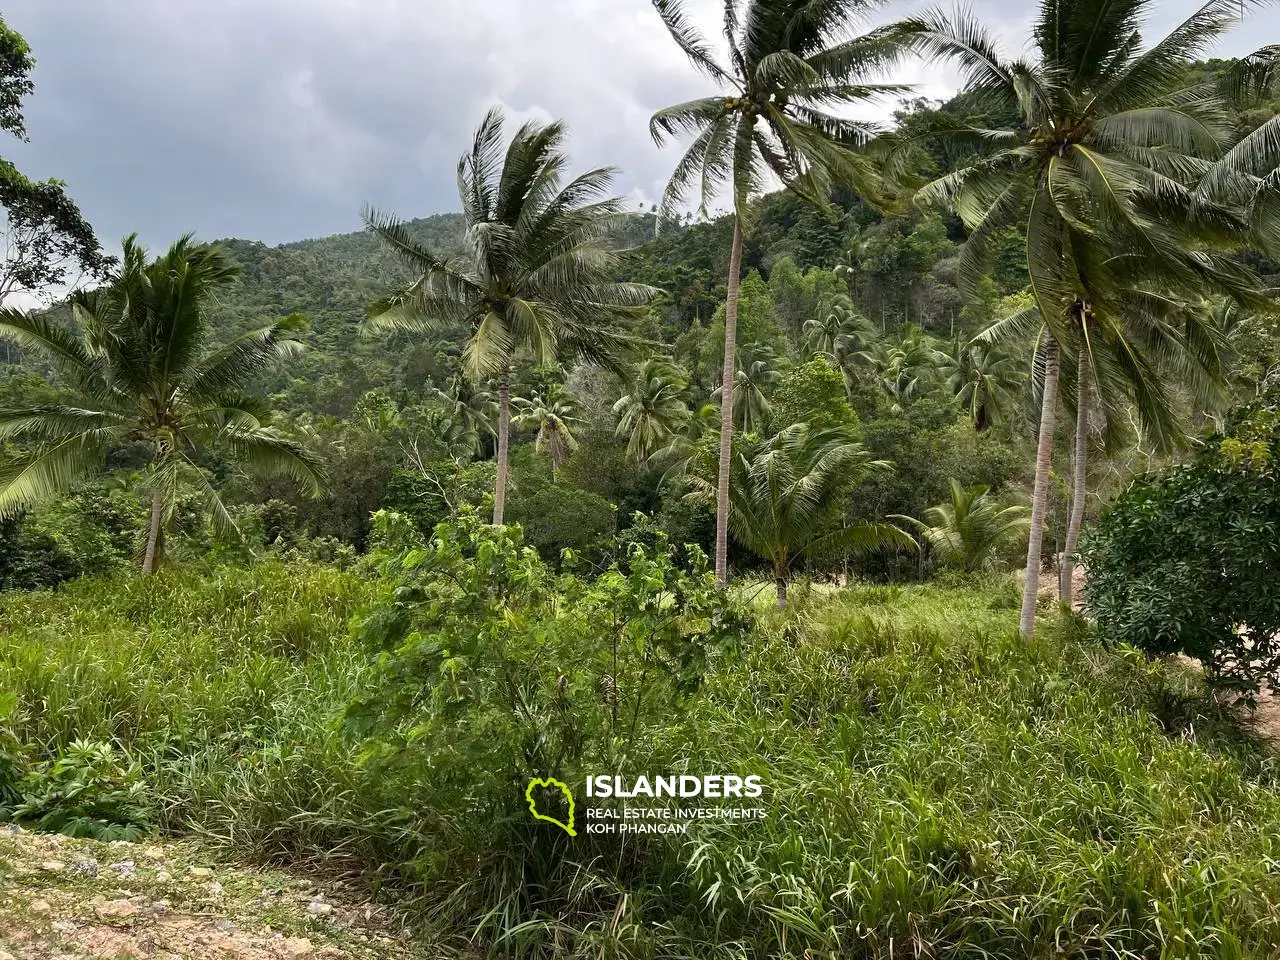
(68, 899)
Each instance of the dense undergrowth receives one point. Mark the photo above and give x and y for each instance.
(935, 787)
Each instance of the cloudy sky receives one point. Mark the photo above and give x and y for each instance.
(277, 119)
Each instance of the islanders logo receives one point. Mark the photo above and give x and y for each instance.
(550, 784)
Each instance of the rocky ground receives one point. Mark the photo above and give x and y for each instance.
(68, 899)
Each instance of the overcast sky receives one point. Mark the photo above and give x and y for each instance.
(277, 119)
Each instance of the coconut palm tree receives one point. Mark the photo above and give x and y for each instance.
(552, 418)
(653, 408)
(902, 370)
(983, 378)
(967, 531)
(759, 372)
(686, 451)
(837, 331)
(141, 367)
(471, 409)
(1102, 176)
(538, 275)
(791, 66)
(786, 494)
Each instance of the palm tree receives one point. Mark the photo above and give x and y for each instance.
(838, 331)
(552, 418)
(967, 531)
(757, 376)
(903, 370)
(141, 368)
(1101, 174)
(653, 408)
(983, 378)
(471, 409)
(791, 65)
(538, 274)
(786, 495)
(683, 455)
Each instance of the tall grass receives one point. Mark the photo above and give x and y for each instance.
(935, 786)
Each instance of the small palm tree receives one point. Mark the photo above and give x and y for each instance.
(471, 409)
(759, 372)
(903, 370)
(792, 64)
(653, 408)
(684, 454)
(141, 368)
(967, 531)
(786, 496)
(539, 273)
(838, 331)
(1102, 176)
(984, 379)
(553, 419)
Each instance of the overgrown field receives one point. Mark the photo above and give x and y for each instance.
(935, 787)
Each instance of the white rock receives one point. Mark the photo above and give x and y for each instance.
(298, 947)
(41, 908)
(214, 888)
(53, 866)
(200, 872)
(319, 908)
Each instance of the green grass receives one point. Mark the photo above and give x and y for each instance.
(936, 786)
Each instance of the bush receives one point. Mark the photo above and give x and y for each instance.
(90, 791)
(499, 671)
(1188, 560)
(557, 517)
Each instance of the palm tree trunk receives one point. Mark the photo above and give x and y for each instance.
(726, 405)
(155, 532)
(1078, 468)
(781, 584)
(504, 437)
(1040, 498)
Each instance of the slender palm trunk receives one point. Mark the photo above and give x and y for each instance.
(1040, 498)
(155, 532)
(726, 405)
(504, 437)
(1078, 467)
(781, 584)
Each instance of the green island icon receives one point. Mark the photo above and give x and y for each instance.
(533, 804)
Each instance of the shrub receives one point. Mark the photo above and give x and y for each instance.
(557, 517)
(499, 671)
(90, 791)
(1187, 561)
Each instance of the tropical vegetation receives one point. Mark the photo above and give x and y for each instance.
(449, 505)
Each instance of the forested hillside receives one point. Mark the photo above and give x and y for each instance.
(869, 293)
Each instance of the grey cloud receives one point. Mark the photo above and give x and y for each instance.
(277, 119)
